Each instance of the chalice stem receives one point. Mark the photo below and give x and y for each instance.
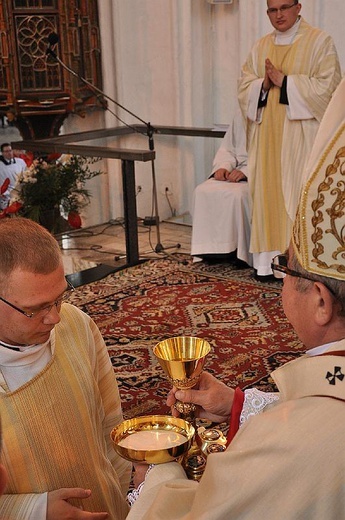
(187, 410)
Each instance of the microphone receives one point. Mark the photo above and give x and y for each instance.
(53, 39)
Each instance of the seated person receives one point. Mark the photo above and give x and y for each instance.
(221, 204)
(10, 168)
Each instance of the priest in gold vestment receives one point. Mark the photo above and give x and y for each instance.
(285, 86)
(59, 398)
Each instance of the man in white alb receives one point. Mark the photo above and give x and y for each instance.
(221, 204)
(10, 167)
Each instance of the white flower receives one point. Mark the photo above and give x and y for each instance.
(64, 158)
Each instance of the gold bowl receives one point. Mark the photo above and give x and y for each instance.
(152, 439)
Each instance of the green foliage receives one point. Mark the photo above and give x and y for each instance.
(47, 185)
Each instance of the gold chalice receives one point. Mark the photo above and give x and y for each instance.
(182, 359)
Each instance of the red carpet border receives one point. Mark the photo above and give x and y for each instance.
(136, 308)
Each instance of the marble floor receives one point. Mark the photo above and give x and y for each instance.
(106, 244)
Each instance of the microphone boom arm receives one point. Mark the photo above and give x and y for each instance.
(150, 131)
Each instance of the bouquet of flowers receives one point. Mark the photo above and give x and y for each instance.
(54, 184)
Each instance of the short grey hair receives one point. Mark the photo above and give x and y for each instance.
(337, 287)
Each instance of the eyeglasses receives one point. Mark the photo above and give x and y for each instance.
(41, 313)
(279, 264)
(285, 7)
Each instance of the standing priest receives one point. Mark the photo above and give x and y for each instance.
(286, 84)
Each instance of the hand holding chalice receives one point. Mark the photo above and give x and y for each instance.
(182, 359)
(157, 439)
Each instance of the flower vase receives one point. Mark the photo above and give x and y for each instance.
(52, 220)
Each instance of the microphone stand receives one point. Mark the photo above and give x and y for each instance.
(159, 248)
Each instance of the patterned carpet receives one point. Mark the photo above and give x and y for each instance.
(140, 306)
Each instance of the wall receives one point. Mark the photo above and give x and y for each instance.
(176, 63)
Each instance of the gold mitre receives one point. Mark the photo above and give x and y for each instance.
(318, 235)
